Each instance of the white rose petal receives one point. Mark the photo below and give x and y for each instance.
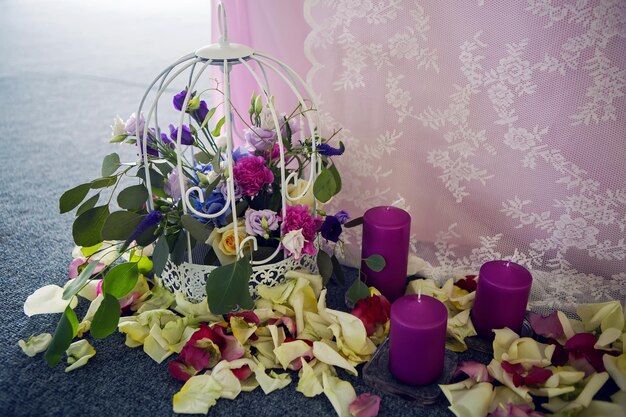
(47, 300)
(294, 242)
(78, 354)
(118, 127)
(35, 344)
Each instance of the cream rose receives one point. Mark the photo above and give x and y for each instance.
(223, 242)
(297, 189)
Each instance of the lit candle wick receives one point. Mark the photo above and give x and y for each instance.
(508, 263)
(419, 294)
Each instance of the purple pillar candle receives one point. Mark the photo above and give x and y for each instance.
(501, 297)
(417, 339)
(386, 232)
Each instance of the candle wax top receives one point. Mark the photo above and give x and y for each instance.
(387, 217)
(505, 275)
(419, 312)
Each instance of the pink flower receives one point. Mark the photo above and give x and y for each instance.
(230, 348)
(251, 175)
(124, 301)
(365, 405)
(78, 264)
(298, 217)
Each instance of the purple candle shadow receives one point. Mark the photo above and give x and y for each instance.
(417, 339)
(501, 297)
(386, 232)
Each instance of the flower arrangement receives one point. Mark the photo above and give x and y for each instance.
(227, 343)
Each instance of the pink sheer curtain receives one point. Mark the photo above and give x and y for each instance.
(500, 126)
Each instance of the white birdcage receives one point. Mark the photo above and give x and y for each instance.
(189, 278)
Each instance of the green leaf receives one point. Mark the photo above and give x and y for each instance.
(375, 262)
(208, 117)
(103, 182)
(338, 270)
(354, 222)
(133, 197)
(337, 177)
(118, 138)
(79, 282)
(156, 179)
(121, 279)
(357, 291)
(325, 266)
(73, 197)
(106, 318)
(164, 168)
(87, 228)
(227, 287)
(91, 203)
(217, 167)
(63, 336)
(241, 207)
(218, 126)
(177, 253)
(325, 186)
(198, 230)
(159, 255)
(110, 164)
(120, 225)
(202, 157)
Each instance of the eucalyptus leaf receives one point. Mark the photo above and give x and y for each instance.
(73, 197)
(148, 236)
(354, 222)
(227, 287)
(177, 252)
(218, 126)
(133, 197)
(325, 186)
(208, 117)
(164, 168)
(87, 228)
(120, 225)
(241, 208)
(375, 262)
(121, 279)
(79, 282)
(199, 231)
(338, 270)
(90, 203)
(156, 180)
(202, 158)
(63, 336)
(325, 266)
(106, 318)
(103, 182)
(160, 255)
(110, 164)
(118, 138)
(357, 291)
(337, 177)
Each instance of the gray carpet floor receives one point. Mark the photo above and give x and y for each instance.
(64, 75)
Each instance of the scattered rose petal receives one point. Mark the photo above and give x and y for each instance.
(78, 353)
(365, 405)
(47, 300)
(309, 382)
(582, 353)
(339, 393)
(616, 367)
(549, 326)
(271, 382)
(35, 344)
(327, 354)
(475, 370)
(198, 394)
(515, 410)
(472, 402)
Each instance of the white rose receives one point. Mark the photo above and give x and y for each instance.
(118, 127)
(294, 242)
(220, 141)
(297, 189)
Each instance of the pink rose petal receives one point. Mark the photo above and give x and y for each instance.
(242, 373)
(583, 355)
(365, 405)
(475, 370)
(230, 348)
(248, 316)
(515, 410)
(548, 326)
(181, 371)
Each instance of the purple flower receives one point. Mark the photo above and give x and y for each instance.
(342, 216)
(259, 139)
(186, 136)
(201, 112)
(261, 222)
(327, 150)
(179, 99)
(172, 186)
(252, 175)
(224, 191)
(131, 124)
(153, 218)
(331, 228)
